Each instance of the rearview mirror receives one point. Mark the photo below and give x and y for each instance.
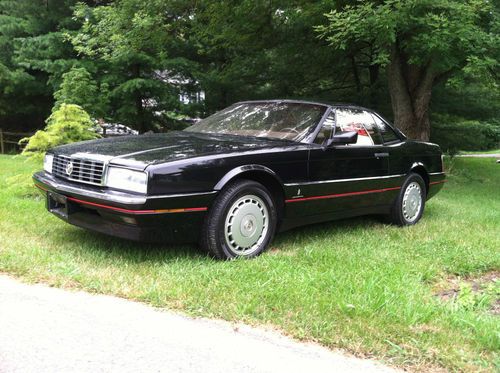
(343, 138)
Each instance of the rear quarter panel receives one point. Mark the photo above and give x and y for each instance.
(407, 154)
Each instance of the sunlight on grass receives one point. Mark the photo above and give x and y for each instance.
(357, 284)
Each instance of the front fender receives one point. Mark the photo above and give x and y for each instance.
(242, 169)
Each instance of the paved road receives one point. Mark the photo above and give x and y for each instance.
(44, 329)
(479, 155)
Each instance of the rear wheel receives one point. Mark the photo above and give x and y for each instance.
(241, 222)
(408, 207)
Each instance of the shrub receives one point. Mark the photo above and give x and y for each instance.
(69, 123)
(454, 134)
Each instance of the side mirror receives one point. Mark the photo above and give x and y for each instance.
(343, 138)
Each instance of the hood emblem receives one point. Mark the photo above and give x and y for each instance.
(69, 168)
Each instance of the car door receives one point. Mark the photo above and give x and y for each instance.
(348, 177)
(399, 160)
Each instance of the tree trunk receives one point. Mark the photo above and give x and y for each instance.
(141, 125)
(140, 115)
(355, 73)
(410, 88)
(374, 94)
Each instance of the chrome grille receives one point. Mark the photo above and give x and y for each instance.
(87, 171)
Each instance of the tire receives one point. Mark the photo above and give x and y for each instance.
(241, 222)
(408, 207)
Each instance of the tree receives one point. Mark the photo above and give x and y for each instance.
(262, 49)
(79, 88)
(421, 43)
(137, 41)
(34, 54)
(68, 124)
(128, 60)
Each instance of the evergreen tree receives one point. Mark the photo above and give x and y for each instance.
(135, 40)
(79, 88)
(34, 54)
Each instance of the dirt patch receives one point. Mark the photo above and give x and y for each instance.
(473, 292)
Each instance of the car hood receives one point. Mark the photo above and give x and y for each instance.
(141, 151)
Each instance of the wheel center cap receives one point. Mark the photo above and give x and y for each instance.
(247, 227)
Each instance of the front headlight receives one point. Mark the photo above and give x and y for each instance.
(125, 179)
(47, 163)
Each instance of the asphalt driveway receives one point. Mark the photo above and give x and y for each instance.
(44, 329)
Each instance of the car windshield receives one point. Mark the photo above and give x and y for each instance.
(278, 120)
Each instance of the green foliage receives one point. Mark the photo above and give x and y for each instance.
(80, 89)
(128, 60)
(470, 99)
(476, 299)
(136, 43)
(422, 43)
(70, 123)
(34, 54)
(256, 50)
(423, 29)
(454, 134)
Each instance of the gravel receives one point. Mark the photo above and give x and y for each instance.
(45, 329)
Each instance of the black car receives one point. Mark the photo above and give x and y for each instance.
(234, 179)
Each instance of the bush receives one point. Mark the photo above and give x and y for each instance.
(454, 134)
(69, 123)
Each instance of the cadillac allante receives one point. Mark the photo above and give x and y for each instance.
(233, 180)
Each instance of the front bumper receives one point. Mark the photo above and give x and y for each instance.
(166, 218)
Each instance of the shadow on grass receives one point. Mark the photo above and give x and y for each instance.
(89, 243)
(137, 252)
(311, 232)
(132, 251)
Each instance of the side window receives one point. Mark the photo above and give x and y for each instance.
(354, 120)
(372, 129)
(386, 131)
(326, 130)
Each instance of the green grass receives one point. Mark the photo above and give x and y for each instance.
(357, 284)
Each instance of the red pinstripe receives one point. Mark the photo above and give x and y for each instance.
(352, 193)
(438, 182)
(127, 211)
(341, 195)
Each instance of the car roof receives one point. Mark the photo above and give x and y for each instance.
(327, 104)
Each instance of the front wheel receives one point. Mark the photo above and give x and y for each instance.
(241, 222)
(408, 207)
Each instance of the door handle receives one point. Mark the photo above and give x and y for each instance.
(380, 155)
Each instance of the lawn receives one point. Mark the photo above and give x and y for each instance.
(359, 284)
